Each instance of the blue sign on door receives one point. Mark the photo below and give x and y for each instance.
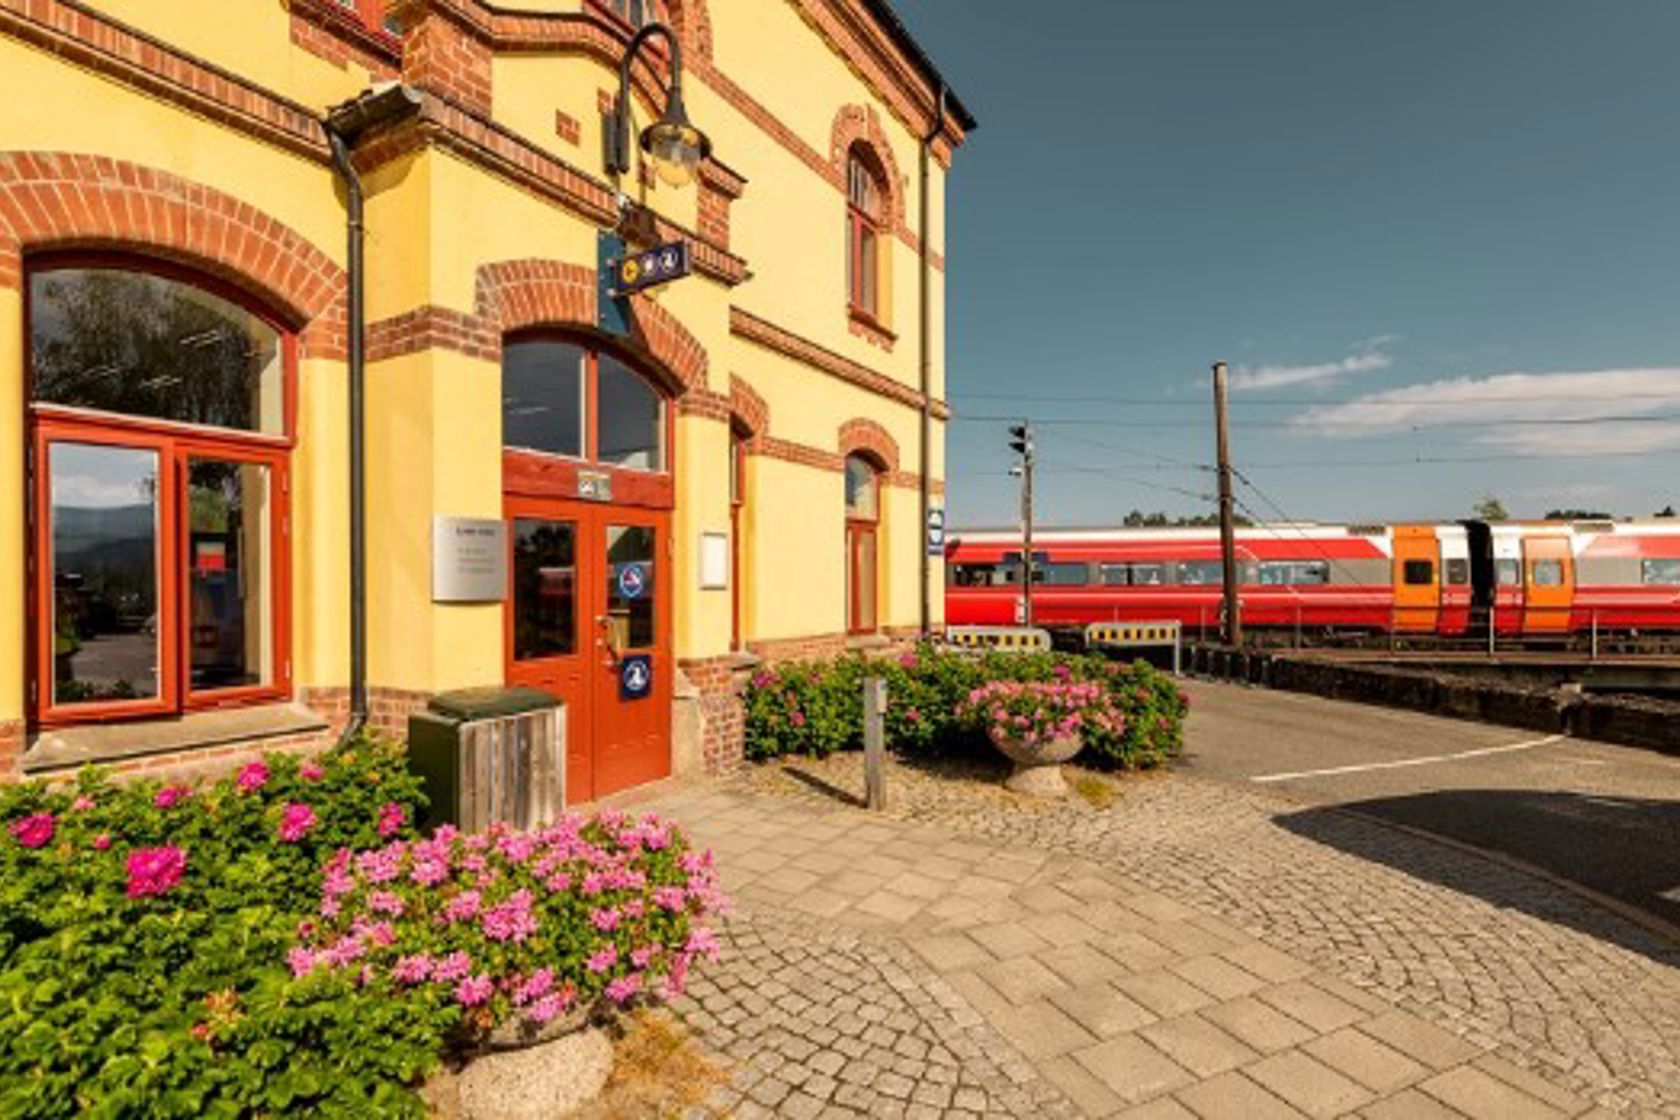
(635, 677)
(632, 581)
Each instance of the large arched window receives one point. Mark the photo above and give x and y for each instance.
(865, 206)
(560, 397)
(863, 520)
(160, 409)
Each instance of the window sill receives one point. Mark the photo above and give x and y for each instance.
(65, 747)
(870, 328)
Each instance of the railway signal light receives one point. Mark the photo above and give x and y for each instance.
(1021, 439)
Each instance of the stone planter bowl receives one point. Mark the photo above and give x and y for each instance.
(1038, 768)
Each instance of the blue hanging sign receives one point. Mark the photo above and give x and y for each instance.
(612, 313)
(635, 677)
(632, 581)
(637, 272)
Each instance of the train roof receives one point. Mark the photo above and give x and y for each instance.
(1296, 529)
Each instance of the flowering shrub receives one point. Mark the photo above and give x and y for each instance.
(1030, 713)
(519, 927)
(814, 708)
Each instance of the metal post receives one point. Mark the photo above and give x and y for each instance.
(875, 742)
(1595, 634)
(1227, 527)
(1493, 625)
(1027, 535)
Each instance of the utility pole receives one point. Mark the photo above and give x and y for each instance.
(1232, 630)
(1021, 442)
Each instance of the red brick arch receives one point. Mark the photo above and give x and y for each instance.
(61, 200)
(521, 294)
(748, 410)
(865, 437)
(860, 124)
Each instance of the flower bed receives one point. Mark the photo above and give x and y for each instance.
(814, 708)
(153, 938)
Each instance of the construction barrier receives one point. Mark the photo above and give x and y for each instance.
(1135, 635)
(998, 637)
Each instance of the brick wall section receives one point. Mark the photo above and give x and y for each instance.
(567, 127)
(49, 199)
(718, 188)
(744, 324)
(722, 717)
(11, 750)
(776, 651)
(446, 51)
(328, 30)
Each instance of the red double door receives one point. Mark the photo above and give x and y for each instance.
(589, 621)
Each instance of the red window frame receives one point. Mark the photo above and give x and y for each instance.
(863, 533)
(551, 474)
(175, 443)
(737, 502)
(864, 192)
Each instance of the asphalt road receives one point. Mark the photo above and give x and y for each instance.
(1605, 817)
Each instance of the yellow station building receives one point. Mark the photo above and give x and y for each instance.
(557, 479)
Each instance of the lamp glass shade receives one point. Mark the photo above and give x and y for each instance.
(677, 148)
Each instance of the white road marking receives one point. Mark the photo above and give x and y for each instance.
(1397, 764)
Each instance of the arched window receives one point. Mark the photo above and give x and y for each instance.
(865, 194)
(863, 518)
(563, 398)
(161, 422)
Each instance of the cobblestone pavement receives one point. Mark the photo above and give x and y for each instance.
(1190, 951)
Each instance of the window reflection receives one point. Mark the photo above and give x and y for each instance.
(144, 345)
(104, 517)
(631, 418)
(229, 552)
(542, 396)
(544, 589)
(630, 592)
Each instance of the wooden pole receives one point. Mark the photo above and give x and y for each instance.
(875, 743)
(1232, 630)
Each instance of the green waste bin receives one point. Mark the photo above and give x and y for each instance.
(490, 754)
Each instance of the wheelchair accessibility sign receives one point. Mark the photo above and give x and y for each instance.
(632, 581)
(635, 677)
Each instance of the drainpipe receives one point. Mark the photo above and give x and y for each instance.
(926, 489)
(344, 125)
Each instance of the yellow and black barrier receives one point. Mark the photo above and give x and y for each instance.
(1132, 635)
(998, 637)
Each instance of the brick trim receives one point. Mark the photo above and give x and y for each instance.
(63, 200)
(744, 324)
(811, 647)
(862, 436)
(337, 34)
(722, 715)
(432, 328)
(860, 124)
(748, 410)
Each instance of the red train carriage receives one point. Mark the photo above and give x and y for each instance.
(1534, 580)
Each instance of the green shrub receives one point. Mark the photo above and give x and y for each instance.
(815, 708)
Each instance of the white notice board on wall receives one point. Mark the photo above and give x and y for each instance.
(714, 561)
(469, 560)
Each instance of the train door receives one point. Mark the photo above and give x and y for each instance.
(1548, 584)
(1509, 584)
(1479, 541)
(1417, 579)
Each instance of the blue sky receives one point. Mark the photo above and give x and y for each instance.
(1417, 229)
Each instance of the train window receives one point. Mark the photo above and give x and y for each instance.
(1510, 572)
(1061, 575)
(1200, 573)
(1546, 573)
(1418, 573)
(1458, 572)
(976, 575)
(1660, 571)
(1293, 572)
(1113, 575)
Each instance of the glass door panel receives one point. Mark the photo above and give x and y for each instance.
(230, 584)
(631, 620)
(104, 513)
(545, 589)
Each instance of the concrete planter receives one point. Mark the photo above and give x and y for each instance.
(525, 1073)
(1038, 766)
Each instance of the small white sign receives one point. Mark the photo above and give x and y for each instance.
(714, 561)
(469, 560)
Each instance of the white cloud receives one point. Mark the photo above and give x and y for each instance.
(1564, 413)
(1368, 356)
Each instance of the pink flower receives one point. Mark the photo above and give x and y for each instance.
(34, 831)
(543, 1010)
(462, 907)
(301, 961)
(430, 872)
(412, 969)
(170, 796)
(102, 841)
(154, 871)
(474, 990)
(702, 942)
(605, 919)
(382, 864)
(252, 777)
(603, 960)
(624, 989)
(668, 898)
(83, 803)
(537, 986)
(295, 822)
(452, 967)
(386, 902)
(393, 818)
(640, 957)
(797, 719)
(510, 921)
(311, 772)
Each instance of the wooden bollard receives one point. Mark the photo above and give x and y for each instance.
(875, 743)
